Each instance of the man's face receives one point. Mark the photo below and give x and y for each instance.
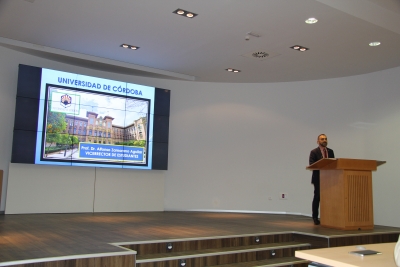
(322, 140)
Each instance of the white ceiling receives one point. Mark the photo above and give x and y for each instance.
(89, 33)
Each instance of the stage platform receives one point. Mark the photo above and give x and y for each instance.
(39, 238)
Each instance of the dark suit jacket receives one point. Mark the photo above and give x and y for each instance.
(316, 155)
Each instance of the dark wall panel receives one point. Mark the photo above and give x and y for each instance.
(161, 129)
(162, 101)
(160, 156)
(23, 149)
(26, 114)
(29, 79)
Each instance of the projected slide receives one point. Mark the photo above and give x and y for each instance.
(87, 126)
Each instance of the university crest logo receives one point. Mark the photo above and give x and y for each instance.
(66, 101)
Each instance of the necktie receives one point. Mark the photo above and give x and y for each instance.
(325, 154)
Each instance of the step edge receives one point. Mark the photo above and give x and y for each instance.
(272, 264)
(190, 256)
(199, 238)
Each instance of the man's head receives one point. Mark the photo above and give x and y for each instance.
(322, 140)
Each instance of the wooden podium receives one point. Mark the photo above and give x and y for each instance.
(346, 192)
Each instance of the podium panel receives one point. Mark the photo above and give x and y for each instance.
(346, 192)
(346, 199)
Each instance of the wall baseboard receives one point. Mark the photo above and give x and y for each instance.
(242, 211)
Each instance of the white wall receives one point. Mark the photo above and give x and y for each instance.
(61, 189)
(49, 189)
(232, 146)
(383, 112)
(244, 143)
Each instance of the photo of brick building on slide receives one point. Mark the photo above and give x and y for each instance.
(101, 130)
(106, 124)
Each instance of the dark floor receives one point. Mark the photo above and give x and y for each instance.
(36, 236)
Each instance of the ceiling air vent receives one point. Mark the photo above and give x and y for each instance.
(260, 54)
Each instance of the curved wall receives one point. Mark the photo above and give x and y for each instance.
(233, 147)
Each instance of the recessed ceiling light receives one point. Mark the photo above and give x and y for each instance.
(374, 43)
(311, 20)
(132, 47)
(299, 48)
(185, 13)
(233, 70)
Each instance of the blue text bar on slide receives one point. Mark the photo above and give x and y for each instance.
(110, 152)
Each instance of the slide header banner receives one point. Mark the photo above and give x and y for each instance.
(97, 84)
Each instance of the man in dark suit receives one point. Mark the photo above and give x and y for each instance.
(316, 154)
